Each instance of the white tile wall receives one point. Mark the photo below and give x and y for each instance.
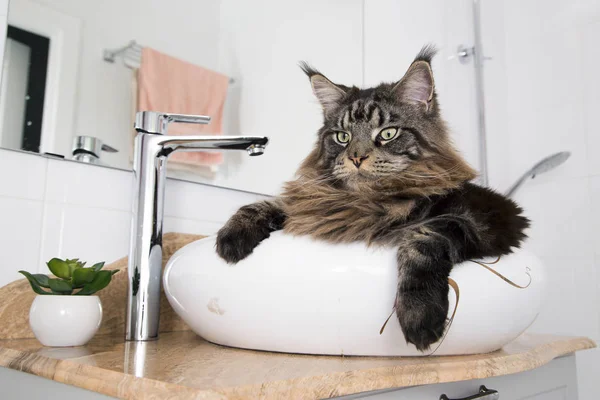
(51, 231)
(3, 24)
(595, 200)
(543, 96)
(24, 183)
(550, 102)
(203, 203)
(20, 236)
(409, 25)
(561, 234)
(90, 233)
(591, 92)
(543, 93)
(55, 208)
(187, 225)
(85, 185)
(287, 32)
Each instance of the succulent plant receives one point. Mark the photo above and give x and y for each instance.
(72, 278)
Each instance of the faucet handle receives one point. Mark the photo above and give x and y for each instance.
(188, 119)
(157, 122)
(108, 149)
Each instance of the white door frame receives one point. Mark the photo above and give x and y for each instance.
(63, 66)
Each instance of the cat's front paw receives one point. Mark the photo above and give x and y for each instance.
(236, 243)
(422, 315)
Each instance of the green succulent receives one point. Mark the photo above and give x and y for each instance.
(72, 278)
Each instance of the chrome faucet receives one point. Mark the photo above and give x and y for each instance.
(151, 151)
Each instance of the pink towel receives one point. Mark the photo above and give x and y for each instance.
(166, 84)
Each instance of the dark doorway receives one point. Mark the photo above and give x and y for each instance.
(36, 85)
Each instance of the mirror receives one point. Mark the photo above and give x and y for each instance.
(25, 65)
(75, 72)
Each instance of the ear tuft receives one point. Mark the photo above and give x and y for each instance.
(328, 93)
(308, 69)
(427, 53)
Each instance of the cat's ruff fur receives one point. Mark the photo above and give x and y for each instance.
(411, 192)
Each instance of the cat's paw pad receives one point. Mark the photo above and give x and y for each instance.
(422, 317)
(234, 245)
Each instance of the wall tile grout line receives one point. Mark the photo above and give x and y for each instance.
(5, 196)
(42, 227)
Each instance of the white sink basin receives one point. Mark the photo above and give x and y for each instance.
(298, 295)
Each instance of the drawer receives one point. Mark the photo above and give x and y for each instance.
(554, 381)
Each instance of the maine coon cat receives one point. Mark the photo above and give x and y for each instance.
(383, 171)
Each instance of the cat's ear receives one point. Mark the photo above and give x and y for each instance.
(328, 93)
(417, 86)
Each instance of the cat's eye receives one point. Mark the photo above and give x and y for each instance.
(388, 134)
(342, 137)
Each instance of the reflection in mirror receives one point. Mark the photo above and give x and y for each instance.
(228, 59)
(233, 60)
(75, 74)
(22, 94)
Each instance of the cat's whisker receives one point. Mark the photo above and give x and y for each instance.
(440, 174)
(410, 191)
(326, 179)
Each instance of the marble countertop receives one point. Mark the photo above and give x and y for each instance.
(184, 366)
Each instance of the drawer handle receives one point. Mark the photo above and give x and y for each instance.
(484, 394)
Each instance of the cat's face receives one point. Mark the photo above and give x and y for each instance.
(370, 137)
(384, 132)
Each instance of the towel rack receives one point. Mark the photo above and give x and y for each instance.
(132, 55)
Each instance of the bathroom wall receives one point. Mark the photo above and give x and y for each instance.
(184, 29)
(262, 50)
(56, 208)
(409, 25)
(542, 95)
(3, 19)
(355, 42)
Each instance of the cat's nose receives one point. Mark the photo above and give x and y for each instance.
(357, 160)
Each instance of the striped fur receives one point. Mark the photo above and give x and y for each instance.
(411, 192)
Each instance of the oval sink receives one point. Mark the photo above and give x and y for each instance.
(299, 295)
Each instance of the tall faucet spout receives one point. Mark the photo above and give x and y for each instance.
(151, 151)
(194, 143)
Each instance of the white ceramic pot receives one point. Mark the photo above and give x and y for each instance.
(62, 321)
